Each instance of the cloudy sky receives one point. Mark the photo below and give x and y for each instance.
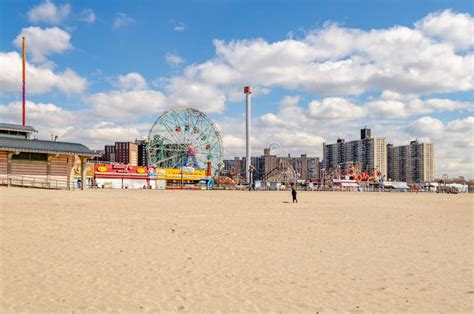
(103, 71)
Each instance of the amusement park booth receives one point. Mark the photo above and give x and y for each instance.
(187, 177)
(120, 176)
(38, 163)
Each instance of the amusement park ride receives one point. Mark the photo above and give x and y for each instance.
(353, 172)
(186, 141)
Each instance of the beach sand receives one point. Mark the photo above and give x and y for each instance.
(196, 251)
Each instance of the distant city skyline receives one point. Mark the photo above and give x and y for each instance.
(100, 72)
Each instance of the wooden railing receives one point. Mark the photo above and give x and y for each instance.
(37, 182)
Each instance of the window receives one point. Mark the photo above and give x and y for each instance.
(30, 156)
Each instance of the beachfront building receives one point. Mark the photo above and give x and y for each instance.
(30, 162)
(370, 153)
(411, 163)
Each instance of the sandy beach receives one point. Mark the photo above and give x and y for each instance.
(222, 251)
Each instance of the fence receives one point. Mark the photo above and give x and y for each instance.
(36, 182)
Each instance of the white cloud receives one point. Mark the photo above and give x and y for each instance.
(41, 42)
(126, 105)
(289, 101)
(47, 118)
(188, 93)
(426, 128)
(337, 61)
(130, 81)
(107, 132)
(87, 16)
(70, 82)
(37, 113)
(48, 12)
(305, 141)
(454, 28)
(411, 106)
(230, 141)
(122, 20)
(271, 119)
(464, 125)
(335, 108)
(173, 59)
(389, 109)
(38, 79)
(180, 27)
(438, 105)
(390, 95)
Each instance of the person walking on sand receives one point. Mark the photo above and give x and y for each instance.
(293, 193)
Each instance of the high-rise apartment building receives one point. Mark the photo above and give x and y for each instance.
(126, 153)
(370, 153)
(411, 163)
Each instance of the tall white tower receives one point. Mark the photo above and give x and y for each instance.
(248, 147)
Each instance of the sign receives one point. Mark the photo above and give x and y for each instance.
(120, 171)
(173, 171)
(120, 166)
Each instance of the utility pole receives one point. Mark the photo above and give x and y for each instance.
(23, 61)
(248, 146)
(181, 170)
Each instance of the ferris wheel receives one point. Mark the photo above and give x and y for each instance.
(185, 138)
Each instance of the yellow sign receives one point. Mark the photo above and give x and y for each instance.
(178, 171)
(172, 173)
(140, 170)
(102, 168)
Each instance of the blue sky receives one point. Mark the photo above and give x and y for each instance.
(320, 70)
